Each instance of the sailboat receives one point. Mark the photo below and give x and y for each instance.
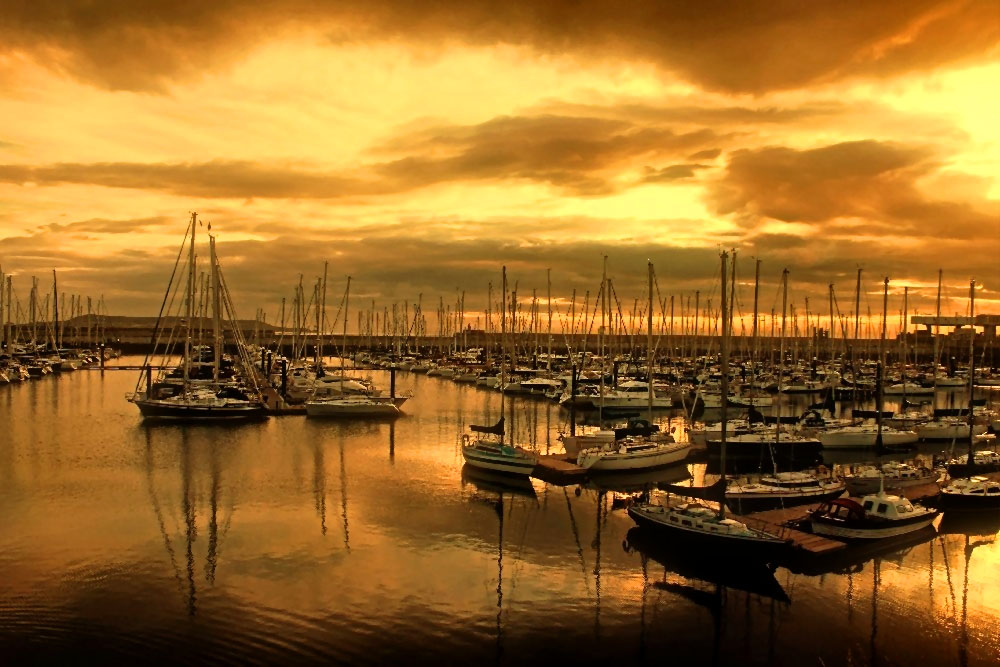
(491, 453)
(971, 493)
(344, 404)
(638, 452)
(204, 401)
(695, 521)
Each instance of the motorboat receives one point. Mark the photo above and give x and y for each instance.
(877, 516)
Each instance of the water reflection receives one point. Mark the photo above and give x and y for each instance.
(216, 541)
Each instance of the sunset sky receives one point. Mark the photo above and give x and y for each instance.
(419, 146)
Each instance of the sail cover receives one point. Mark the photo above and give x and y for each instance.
(716, 492)
(496, 429)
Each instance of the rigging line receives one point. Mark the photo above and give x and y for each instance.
(173, 274)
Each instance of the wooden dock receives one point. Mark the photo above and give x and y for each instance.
(559, 469)
(780, 522)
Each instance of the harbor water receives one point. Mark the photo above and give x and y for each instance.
(297, 540)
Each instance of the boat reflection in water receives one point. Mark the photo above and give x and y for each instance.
(745, 575)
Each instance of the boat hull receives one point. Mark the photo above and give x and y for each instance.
(755, 502)
(161, 410)
(613, 461)
(511, 465)
(758, 547)
(372, 409)
(859, 530)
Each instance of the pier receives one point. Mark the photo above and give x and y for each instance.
(781, 522)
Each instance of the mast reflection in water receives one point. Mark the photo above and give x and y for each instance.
(223, 544)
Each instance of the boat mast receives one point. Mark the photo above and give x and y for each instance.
(548, 302)
(937, 328)
(216, 310)
(600, 345)
(972, 369)
(857, 331)
(321, 323)
(649, 343)
(756, 291)
(503, 340)
(902, 342)
(55, 313)
(343, 349)
(189, 309)
(781, 353)
(833, 330)
(724, 383)
(879, 373)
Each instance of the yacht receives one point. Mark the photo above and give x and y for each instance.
(782, 489)
(635, 453)
(869, 478)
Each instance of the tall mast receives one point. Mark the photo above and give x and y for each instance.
(189, 309)
(55, 313)
(857, 331)
(216, 309)
(724, 383)
(322, 323)
(902, 340)
(756, 291)
(343, 349)
(548, 302)
(649, 342)
(600, 345)
(503, 339)
(781, 352)
(833, 330)
(885, 315)
(937, 328)
(972, 367)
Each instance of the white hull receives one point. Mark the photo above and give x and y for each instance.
(850, 438)
(821, 528)
(513, 465)
(604, 460)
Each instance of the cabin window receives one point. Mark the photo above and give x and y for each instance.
(685, 522)
(674, 519)
(993, 489)
(868, 504)
(714, 529)
(978, 491)
(881, 509)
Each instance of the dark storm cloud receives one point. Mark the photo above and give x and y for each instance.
(570, 153)
(738, 46)
(871, 180)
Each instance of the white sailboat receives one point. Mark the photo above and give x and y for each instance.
(491, 453)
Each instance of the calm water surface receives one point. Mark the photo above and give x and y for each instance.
(296, 540)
